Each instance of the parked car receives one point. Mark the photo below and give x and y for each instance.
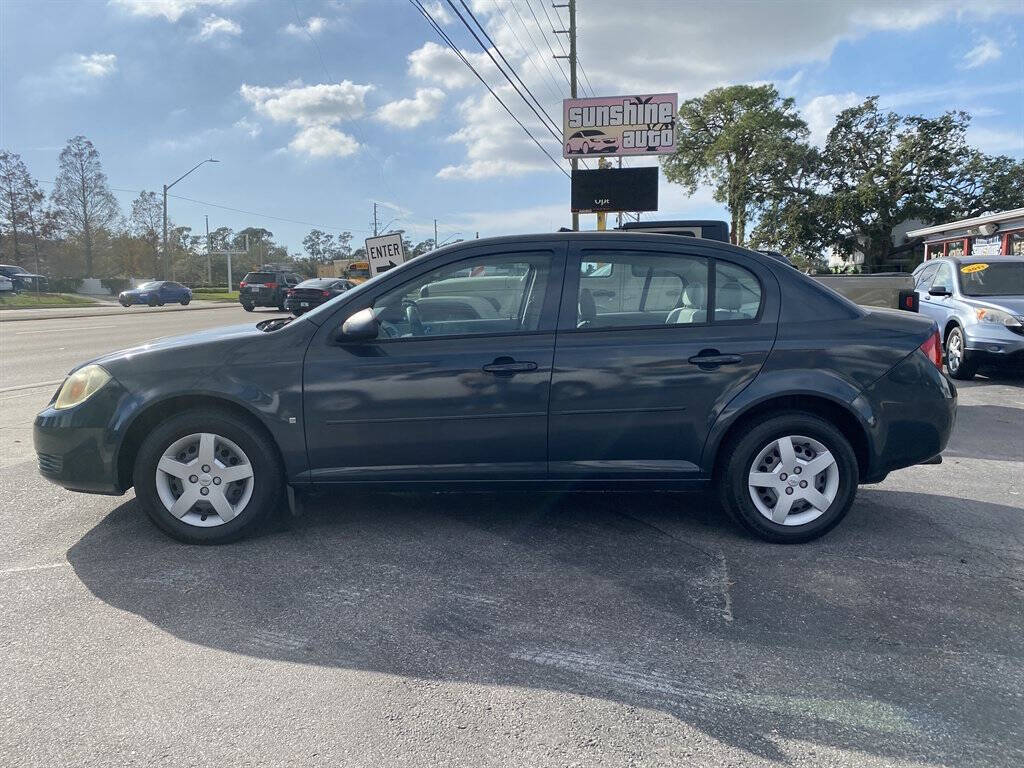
(156, 294)
(266, 289)
(310, 294)
(715, 367)
(6, 284)
(24, 280)
(978, 303)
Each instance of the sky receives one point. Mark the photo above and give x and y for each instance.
(317, 108)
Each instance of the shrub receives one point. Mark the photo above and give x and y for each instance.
(65, 284)
(115, 284)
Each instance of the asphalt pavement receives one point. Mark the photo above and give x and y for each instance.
(510, 629)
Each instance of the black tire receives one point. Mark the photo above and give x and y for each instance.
(966, 366)
(125, 303)
(736, 459)
(153, 303)
(185, 301)
(247, 307)
(268, 478)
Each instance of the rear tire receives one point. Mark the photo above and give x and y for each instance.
(247, 307)
(960, 363)
(235, 437)
(788, 486)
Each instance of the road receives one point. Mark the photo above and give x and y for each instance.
(511, 629)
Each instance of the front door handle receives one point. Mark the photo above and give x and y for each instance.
(506, 366)
(712, 359)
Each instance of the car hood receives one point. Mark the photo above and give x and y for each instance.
(180, 346)
(1012, 304)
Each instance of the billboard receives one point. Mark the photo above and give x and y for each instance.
(615, 189)
(384, 252)
(619, 125)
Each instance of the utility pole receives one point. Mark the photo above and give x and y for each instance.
(620, 212)
(168, 262)
(374, 219)
(435, 234)
(571, 5)
(209, 263)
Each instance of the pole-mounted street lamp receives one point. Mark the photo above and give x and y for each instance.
(447, 239)
(167, 260)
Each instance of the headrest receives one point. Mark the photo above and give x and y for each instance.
(694, 295)
(730, 297)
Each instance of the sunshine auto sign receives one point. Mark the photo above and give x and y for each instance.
(619, 125)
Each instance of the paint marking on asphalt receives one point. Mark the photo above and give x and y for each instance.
(58, 330)
(28, 568)
(37, 385)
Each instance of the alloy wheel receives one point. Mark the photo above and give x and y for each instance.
(793, 480)
(954, 351)
(204, 480)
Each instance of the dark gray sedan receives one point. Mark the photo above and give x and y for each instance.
(569, 361)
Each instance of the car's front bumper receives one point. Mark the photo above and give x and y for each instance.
(77, 447)
(994, 344)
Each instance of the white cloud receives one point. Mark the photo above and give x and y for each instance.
(78, 73)
(820, 113)
(985, 51)
(323, 141)
(315, 110)
(313, 27)
(216, 26)
(995, 141)
(93, 65)
(439, 12)
(251, 129)
(172, 10)
(426, 105)
(439, 64)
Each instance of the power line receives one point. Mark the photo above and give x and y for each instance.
(560, 45)
(553, 87)
(543, 116)
(448, 41)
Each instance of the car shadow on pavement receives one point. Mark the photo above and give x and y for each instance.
(898, 635)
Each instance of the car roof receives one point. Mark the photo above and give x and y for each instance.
(994, 259)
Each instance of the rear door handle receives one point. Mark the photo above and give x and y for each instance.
(506, 366)
(714, 360)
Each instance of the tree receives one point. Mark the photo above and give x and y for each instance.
(23, 214)
(732, 138)
(146, 223)
(82, 201)
(319, 245)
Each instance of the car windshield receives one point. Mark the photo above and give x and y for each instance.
(988, 279)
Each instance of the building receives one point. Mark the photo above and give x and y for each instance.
(994, 234)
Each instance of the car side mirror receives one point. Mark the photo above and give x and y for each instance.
(939, 290)
(362, 326)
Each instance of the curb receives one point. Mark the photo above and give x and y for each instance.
(60, 314)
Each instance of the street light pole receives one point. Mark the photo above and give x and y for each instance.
(167, 260)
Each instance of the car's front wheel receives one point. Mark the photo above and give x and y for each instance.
(207, 476)
(959, 361)
(789, 479)
(185, 300)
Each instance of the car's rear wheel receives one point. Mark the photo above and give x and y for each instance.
(207, 477)
(789, 479)
(152, 302)
(959, 361)
(247, 306)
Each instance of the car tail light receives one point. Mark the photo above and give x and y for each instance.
(325, 294)
(242, 284)
(271, 286)
(932, 348)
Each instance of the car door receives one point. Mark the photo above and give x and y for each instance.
(456, 384)
(939, 308)
(635, 390)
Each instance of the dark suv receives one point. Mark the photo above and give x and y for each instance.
(24, 280)
(266, 288)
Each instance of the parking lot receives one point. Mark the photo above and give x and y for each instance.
(511, 629)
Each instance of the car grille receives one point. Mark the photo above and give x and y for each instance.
(49, 464)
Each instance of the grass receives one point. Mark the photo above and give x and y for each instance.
(29, 300)
(219, 296)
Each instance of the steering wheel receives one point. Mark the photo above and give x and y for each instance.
(415, 320)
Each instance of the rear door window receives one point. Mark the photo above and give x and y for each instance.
(737, 293)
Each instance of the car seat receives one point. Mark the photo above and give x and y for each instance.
(693, 307)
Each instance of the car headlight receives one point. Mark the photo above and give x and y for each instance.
(80, 386)
(997, 317)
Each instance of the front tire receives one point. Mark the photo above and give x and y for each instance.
(207, 476)
(959, 361)
(185, 301)
(789, 479)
